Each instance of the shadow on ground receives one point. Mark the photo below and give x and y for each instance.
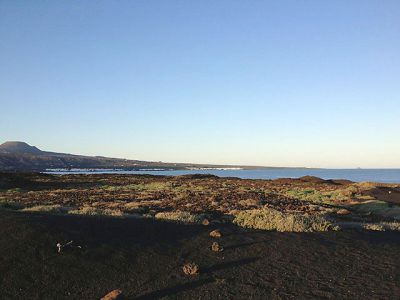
(144, 259)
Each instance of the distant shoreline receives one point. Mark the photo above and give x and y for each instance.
(356, 175)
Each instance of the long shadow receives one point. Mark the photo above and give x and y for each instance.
(230, 264)
(174, 289)
(191, 285)
(113, 231)
(243, 245)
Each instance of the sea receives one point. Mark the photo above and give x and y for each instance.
(357, 175)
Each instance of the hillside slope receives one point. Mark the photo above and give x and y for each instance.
(20, 156)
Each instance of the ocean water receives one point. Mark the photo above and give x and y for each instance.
(357, 175)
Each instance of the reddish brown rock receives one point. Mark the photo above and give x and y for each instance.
(215, 233)
(343, 211)
(205, 222)
(113, 295)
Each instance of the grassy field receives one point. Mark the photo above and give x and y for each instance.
(307, 204)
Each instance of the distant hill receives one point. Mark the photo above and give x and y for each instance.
(19, 147)
(20, 156)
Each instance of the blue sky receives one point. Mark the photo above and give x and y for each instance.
(280, 83)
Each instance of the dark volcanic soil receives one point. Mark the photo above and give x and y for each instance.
(144, 259)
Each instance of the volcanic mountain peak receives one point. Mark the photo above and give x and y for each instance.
(19, 147)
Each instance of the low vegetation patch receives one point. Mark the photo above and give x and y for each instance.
(14, 190)
(371, 206)
(382, 226)
(308, 204)
(374, 227)
(270, 219)
(378, 208)
(190, 269)
(180, 217)
(55, 209)
(391, 225)
(5, 204)
(94, 211)
(151, 186)
(216, 247)
(316, 196)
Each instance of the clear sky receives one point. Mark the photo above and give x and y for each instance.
(279, 83)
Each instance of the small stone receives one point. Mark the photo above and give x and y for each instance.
(215, 233)
(205, 222)
(59, 246)
(113, 295)
(343, 211)
(216, 247)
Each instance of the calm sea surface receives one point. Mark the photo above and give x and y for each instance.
(376, 175)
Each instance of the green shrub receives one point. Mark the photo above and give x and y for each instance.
(378, 208)
(270, 219)
(316, 196)
(311, 195)
(371, 206)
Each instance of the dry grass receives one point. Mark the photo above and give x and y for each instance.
(372, 226)
(59, 209)
(382, 226)
(93, 211)
(190, 269)
(391, 225)
(140, 206)
(366, 185)
(270, 219)
(216, 247)
(53, 209)
(249, 203)
(180, 217)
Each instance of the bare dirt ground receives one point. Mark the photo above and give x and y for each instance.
(143, 258)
